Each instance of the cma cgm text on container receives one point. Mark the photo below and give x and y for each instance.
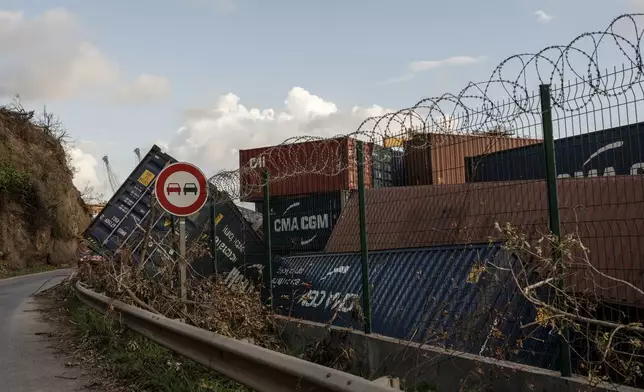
(303, 223)
(302, 168)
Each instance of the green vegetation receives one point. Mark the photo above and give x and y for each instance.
(13, 181)
(142, 363)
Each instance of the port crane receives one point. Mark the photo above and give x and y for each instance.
(111, 177)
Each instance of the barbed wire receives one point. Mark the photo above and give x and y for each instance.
(472, 112)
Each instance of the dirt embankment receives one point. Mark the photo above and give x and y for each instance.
(41, 212)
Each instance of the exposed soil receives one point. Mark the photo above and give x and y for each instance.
(42, 212)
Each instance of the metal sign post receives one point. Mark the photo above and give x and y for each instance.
(181, 190)
(182, 256)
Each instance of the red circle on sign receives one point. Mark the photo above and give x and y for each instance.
(160, 185)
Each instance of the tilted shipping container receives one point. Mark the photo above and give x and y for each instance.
(300, 168)
(303, 224)
(593, 208)
(123, 221)
(614, 151)
(432, 159)
(430, 295)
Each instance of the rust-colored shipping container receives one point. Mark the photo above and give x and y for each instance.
(302, 168)
(606, 212)
(432, 158)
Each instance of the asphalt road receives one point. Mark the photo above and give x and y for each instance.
(27, 361)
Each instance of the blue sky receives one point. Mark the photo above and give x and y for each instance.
(199, 50)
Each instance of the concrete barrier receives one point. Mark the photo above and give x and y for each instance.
(424, 368)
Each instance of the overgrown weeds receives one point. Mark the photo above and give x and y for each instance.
(134, 360)
(234, 311)
(569, 293)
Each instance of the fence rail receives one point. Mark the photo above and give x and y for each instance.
(255, 367)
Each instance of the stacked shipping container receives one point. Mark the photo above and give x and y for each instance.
(386, 166)
(303, 223)
(317, 175)
(427, 216)
(432, 158)
(615, 151)
(301, 168)
(310, 183)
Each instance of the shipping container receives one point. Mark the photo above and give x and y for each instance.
(382, 166)
(432, 159)
(398, 166)
(614, 151)
(301, 168)
(593, 208)
(123, 221)
(433, 296)
(303, 224)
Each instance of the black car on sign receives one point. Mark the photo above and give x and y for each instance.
(190, 187)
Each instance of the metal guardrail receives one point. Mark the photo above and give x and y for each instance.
(255, 367)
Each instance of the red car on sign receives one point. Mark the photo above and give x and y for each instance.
(173, 187)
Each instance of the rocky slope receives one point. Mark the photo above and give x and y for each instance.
(41, 212)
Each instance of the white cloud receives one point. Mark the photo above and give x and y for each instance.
(145, 88)
(47, 57)
(86, 169)
(542, 16)
(456, 61)
(416, 67)
(212, 138)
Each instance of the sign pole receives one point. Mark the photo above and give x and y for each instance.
(182, 259)
(181, 190)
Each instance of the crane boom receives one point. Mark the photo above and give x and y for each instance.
(111, 176)
(137, 152)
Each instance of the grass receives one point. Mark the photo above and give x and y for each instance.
(138, 361)
(6, 272)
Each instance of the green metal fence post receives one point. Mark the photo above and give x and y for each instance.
(268, 272)
(366, 296)
(213, 232)
(553, 211)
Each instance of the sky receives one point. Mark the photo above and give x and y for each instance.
(205, 78)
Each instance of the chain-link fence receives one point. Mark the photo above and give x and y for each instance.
(505, 220)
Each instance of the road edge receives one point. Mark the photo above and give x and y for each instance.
(35, 274)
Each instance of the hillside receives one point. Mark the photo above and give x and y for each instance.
(41, 211)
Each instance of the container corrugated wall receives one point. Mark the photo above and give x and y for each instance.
(421, 216)
(310, 167)
(303, 223)
(440, 158)
(422, 295)
(382, 166)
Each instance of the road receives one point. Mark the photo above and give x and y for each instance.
(27, 362)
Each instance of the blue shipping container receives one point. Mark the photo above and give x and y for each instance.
(614, 151)
(441, 296)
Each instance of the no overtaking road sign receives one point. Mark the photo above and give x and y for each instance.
(181, 189)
